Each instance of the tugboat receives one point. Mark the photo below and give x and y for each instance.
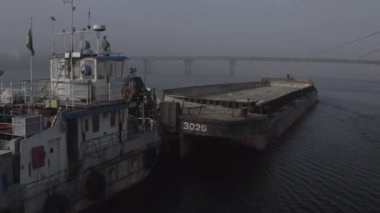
(78, 138)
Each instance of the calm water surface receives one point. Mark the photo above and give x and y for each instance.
(327, 162)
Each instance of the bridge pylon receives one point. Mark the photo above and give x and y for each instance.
(188, 66)
(232, 64)
(147, 66)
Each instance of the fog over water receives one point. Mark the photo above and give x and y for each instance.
(208, 27)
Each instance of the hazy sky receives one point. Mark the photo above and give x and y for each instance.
(201, 27)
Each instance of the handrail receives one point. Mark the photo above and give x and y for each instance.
(70, 93)
(13, 197)
(94, 145)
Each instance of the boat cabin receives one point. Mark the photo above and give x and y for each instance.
(87, 79)
(95, 68)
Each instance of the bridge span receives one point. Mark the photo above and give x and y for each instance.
(232, 60)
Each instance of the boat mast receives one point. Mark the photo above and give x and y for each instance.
(71, 2)
(89, 19)
(31, 63)
(52, 18)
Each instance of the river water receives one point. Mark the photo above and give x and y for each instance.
(329, 161)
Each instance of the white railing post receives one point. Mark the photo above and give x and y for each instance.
(10, 84)
(2, 88)
(49, 84)
(24, 85)
(31, 93)
(41, 123)
(109, 92)
(72, 94)
(90, 85)
(88, 94)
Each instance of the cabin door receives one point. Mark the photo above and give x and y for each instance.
(4, 183)
(72, 147)
(53, 155)
(123, 125)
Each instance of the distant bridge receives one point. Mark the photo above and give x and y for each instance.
(232, 60)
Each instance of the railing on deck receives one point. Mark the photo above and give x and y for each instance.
(12, 199)
(94, 147)
(23, 92)
(72, 93)
(69, 93)
(147, 123)
(15, 197)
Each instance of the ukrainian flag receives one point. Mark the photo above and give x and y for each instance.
(29, 42)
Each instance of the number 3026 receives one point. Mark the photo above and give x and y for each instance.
(194, 127)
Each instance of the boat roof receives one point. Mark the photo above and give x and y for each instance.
(103, 56)
(97, 109)
(112, 57)
(4, 152)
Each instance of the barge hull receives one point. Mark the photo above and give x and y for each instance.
(262, 140)
(243, 132)
(246, 114)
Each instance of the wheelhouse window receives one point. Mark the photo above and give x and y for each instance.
(86, 125)
(95, 123)
(118, 69)
(110, 69)
(113, 119)
(76, 69)
(58, 67)
(102, 70)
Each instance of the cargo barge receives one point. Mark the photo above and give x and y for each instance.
(250, 114)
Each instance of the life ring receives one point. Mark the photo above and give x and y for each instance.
(127, 92)
(95, 186)
(57, 203)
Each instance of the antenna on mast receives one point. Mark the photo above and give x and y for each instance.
(71, 2)
(52, 18)
(98, 28)
(89, 19)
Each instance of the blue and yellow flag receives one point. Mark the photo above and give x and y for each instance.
(29, 42)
